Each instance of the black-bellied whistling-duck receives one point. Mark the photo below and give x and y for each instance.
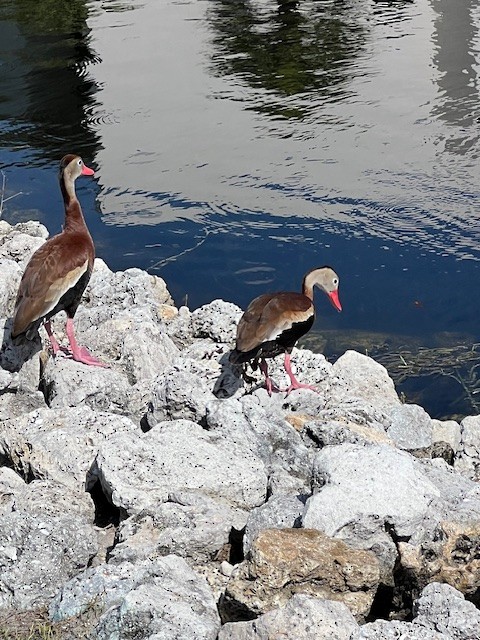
(58, 272)
(274, 322)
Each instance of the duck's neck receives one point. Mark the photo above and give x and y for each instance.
(74, 220)
(307, 286)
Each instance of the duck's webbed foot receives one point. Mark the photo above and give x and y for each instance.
(294, 383)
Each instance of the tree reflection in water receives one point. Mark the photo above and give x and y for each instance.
(287, 49)
(45, 91)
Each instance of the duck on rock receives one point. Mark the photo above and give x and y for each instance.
(274, 322)
(58, 272)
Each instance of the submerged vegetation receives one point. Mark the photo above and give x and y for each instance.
(459, 363)
(443, 376)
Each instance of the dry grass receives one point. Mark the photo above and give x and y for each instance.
(28, 625)
(35, 625)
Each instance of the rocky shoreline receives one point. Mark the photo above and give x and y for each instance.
(165, 497)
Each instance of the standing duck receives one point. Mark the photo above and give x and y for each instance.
(58, 272)
(274, 322)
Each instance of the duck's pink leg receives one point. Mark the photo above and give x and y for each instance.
(53, 341)
(294, 383)
(268, 381)
(80, 354)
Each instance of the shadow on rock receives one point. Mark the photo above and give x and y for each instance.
(14, 353)
(230, 379)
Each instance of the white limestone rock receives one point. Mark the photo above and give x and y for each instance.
(19, 243)
(467, 460)
(124, 290)
(60, 444)
(376, 480)
(282, 511)
(258, 423)
(137, 470)
(163, 598)
(46, 537)
(396, 630)
(355, 423)
(179, 327)
(362, 492)
(217, 320)
(73, 384)
(443, 608)
(448, 432)
(183, 390)
(188, 525)
(358, 377)
(411, 427)
(302, 618)
(11, 274)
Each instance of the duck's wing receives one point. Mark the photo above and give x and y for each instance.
(53, 270)
(270, 315)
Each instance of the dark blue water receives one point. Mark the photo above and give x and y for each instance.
(239, 144)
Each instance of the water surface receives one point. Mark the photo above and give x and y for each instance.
(239, 144)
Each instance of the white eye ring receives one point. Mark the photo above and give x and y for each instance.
(80, 162)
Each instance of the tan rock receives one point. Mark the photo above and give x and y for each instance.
(298, 420)
(284, 562)
(167, 312)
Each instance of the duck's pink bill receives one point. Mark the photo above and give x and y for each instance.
(86, 171)
(335, 300)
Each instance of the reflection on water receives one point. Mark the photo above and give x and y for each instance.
(45, 91)
(303, 51)
(456, 43)
(239, 143)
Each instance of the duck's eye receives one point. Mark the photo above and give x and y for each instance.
(335, 281)
(80, 162)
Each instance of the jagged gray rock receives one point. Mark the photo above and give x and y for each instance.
(447, 431)
(137, 470)
(19, 242)
(46, 537)
(163, 597)
(445, 609)
(411, 427)
(358, 377)
(302, 618)
(282, 511)
(258, 423)
(61, 444)
(354, 423)
(191, 526)
(467, 460)
(183, 391)
(217, 320)
(67, 384)
(354, 481)
(363, 493)
(383, 630)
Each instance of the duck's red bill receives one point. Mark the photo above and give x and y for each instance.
(86, 171)
(335, 300)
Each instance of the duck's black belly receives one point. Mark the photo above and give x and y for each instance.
(71, 299)
(272, 348)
